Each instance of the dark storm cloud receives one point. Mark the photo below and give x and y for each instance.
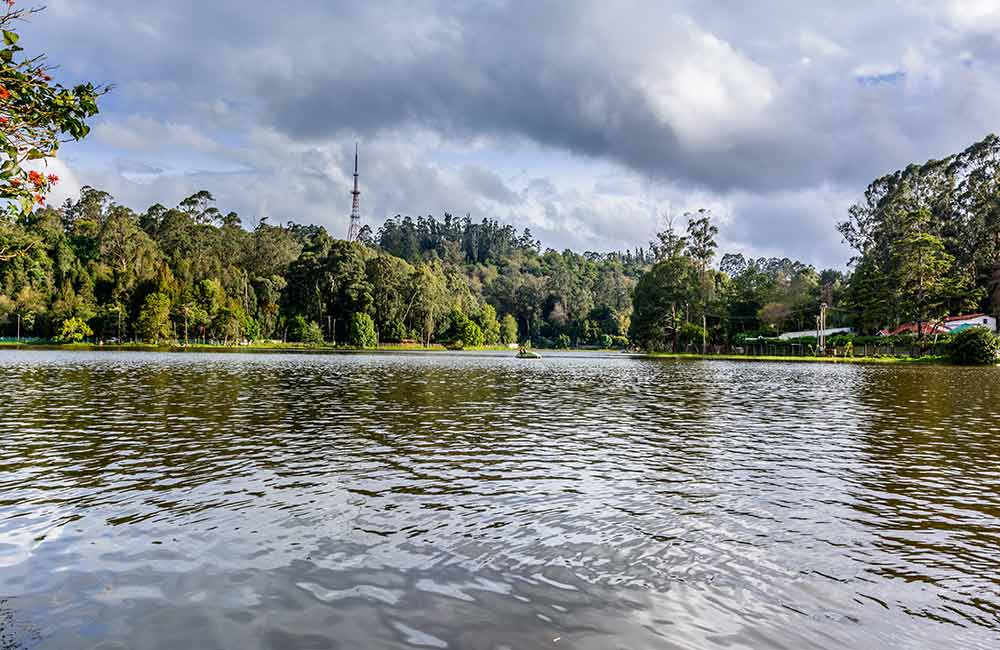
(682, 97)
(749, 104)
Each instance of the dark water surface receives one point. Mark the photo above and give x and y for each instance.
(476, 501)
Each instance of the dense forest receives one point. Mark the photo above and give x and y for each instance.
(192, 272)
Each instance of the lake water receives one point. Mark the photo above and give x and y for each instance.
(203, 501)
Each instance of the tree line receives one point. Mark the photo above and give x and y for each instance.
(194, 273)
(927, 245)
(927, 242)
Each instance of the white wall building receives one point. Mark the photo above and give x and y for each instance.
(982, 320)
(830, 331)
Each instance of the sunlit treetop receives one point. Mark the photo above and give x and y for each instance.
(37, 114)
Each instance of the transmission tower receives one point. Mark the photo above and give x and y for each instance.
(355, 228)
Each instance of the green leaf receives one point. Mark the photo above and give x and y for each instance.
(9, 37)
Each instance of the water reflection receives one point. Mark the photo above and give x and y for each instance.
(476, 501)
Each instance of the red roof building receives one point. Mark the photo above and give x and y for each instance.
(948, 324)
(925, 328)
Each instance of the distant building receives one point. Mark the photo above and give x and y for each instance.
(948, 325)
(952, 323)
(830, 331)
(927, 329)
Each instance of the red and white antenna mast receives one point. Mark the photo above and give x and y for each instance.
(355, 228)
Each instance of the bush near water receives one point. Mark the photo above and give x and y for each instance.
(976, 346)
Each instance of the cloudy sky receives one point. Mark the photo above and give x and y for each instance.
(586, 121)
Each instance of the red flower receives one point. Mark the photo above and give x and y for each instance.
(40, 199)
(4, 93)
(4, 120)
(15, 182)
(53, 179)
(35, 177)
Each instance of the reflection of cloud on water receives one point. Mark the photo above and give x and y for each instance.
(27, 533)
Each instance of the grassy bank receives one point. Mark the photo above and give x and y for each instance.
(800, 359)
(263, 346)
(269, 346)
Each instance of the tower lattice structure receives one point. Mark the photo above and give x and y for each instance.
(355, 228)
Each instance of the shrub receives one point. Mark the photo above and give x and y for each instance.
(508, 329)
(487, 321)
(472, 335)
(463, 332)
(394, 330)
(305, 331)
(73, 330)
(691, 334)
(563, 341)
(251, 327)
(362, 331)
(975, 346)
(620, 341)
(840, 340)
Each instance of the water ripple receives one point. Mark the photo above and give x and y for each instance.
(457, 501)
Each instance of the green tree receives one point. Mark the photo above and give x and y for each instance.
(774, 315)
(471, 335)
(394, 331)
(659, 299)
(462, 331)
(192, 316)
(975, 346)
(229, 323)
(486, 319)
(429, 300)
(690, 334)
(362, 331)
(508, 329)
(927, 283)
(305, 331)
(154, 318)
(74, 330)
(388, 278)
(701, 248)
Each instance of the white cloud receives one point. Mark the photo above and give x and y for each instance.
(815, 44)
(705, 90)
(144, 133)
(979, 16)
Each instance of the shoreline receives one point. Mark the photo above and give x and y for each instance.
(299, 348)
(279, 348)
(928, 360)
(254, 348)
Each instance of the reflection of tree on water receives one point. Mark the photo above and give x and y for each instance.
(930, 489)
(15, 633)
